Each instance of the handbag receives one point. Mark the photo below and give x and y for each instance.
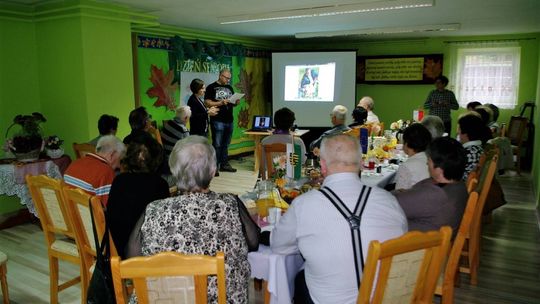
(100, 288)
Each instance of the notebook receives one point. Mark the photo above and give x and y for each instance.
(261, 123)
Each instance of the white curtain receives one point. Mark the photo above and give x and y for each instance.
(487, 72)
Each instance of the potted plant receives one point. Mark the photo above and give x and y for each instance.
(53, 146)
(26, 143)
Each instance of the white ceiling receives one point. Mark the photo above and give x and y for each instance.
(476, 17)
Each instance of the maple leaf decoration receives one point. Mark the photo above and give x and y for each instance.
(243, 118)
(244, 85)
(163, 88)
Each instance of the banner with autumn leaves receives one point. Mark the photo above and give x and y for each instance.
(159, 91)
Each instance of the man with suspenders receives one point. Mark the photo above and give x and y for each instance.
(332, 227)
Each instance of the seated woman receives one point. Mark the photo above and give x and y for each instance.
(136, 187)
(470, 131)
(359, 115)
(199, 221)
(416, 138)
(284, 119)
(175, 129)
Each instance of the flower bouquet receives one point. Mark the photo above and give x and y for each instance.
(52, 146)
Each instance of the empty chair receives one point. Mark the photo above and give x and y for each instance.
(49, 202)
(78, 204)
(82, 149)
(267, 165)
(168, 264)
(405, 269)
(3, 277)
(516, 132)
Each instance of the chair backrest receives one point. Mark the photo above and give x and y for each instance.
(78, 203)
(268, 163)
(49, 201)
(82, 149)
(485, 178)
(355, 131)
(406, 268)
(516, 129)
(169, 264)
(446, 285)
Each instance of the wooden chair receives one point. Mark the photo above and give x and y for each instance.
(169, 264)
(78, 204)
(267, 170)
(471, 251)
(3, 277)
(445, 287)
(49, 202)
(82, 149)
(406, 269)
(516, 132)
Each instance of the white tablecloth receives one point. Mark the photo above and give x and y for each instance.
(278, 270)
(373, 179)
(9, 186)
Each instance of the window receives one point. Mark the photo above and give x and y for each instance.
(488, 75)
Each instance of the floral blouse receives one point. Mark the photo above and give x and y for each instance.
(200, 223)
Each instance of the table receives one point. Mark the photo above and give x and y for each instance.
(12, 176)
(277, 270)
(373, 179)
(258, 135)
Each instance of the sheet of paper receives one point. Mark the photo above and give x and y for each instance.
(236, 98)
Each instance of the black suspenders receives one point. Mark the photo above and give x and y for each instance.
(353, 218)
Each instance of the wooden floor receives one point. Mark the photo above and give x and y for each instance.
(509, 270)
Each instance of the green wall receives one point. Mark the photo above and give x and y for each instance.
(536, 160)
(19, 84)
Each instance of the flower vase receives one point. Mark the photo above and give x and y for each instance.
(55, 153)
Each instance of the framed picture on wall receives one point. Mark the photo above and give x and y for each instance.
(399, 69)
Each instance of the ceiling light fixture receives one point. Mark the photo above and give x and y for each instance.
(329, 10)
(383, 31)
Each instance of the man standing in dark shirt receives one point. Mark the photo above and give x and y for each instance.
(218, 95)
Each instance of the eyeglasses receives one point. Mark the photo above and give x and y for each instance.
(228, 78)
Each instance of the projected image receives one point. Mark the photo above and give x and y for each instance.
(310, 82)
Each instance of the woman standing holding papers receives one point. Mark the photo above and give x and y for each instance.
(199, 120)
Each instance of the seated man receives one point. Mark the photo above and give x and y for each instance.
(440, 199)
(94, 173)
(314, 227)
(338, 117)
(175, 129)
(367, 103)
(107, 125)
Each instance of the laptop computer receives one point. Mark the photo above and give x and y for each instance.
(261, 123)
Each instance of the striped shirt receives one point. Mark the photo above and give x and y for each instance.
(93, 174)
(173, 131)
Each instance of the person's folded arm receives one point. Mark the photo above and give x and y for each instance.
(283, 237)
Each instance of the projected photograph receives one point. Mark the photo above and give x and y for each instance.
(310, 82)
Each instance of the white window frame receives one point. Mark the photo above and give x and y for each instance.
(496, 88)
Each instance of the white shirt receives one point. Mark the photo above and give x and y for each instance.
(413, 170)
(371, 117)
(316, 229)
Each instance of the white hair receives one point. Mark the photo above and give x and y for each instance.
(434, 124)
(367, 103)
(193, 163)
(183, 113)
(341, 149)
(110, 143)
(340, 112)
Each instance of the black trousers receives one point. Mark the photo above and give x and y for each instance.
(448, 127)
(301, 292)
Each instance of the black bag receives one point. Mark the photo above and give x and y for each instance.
(100, 288)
